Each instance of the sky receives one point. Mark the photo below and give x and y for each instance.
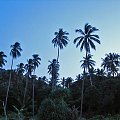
(33, 23)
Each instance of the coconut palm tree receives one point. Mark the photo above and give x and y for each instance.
(87, 38)
(29, 69)
(2, 60)
(20, 68)
(111, 63)
(78, 77)
(36, 62)
(100, 72)
(68, 82)
(15, 52)
(53, 69)
(61, 40)
(88, 64)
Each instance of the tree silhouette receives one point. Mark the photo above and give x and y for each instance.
(2, 59)
(53, 69)
(29, 69)
(36, 62)
(86, 39)
(60, 40)
(88, 64)
(111, 63)
(15, 52)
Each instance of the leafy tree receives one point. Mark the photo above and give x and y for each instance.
(53, 69)
(60, 40)
(15, 52)
(111, 63)
(2, 59)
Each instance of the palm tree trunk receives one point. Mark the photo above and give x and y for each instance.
(4, 110)
(6, 100)
(53, 85)
(33, 96)
(58, 54)
(91, 81)
(25, 89)
(82, 95)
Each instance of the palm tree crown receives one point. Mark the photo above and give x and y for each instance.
(20, 68)
(87, 39)
(36, 60)
(111, 63)
(16, 49)
(87, 62)
(60, 40)
(2, 60)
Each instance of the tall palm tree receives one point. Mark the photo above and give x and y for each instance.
(15, 52)
(36, 62)
(111, 63)
(20, 70)
(2, 59)
(53, 69)
(29, 69)
(87, 38)
(88, 64)
(61, 40)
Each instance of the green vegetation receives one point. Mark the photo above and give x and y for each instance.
(93, 95)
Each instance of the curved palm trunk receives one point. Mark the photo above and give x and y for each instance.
(6, 100)
(82, 95)
(4, 110)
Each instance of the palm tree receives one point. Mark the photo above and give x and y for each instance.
(2, 60)
(100, 72)
(15, 52)
(20, 68)
(53, 69)
(60, 40)
(111, 63)
(78, 77)
(88, 64)
(29, 69)
(87, 39)
(68, 82)
(36, 62)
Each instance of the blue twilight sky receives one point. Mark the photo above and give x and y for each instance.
(33, 23)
